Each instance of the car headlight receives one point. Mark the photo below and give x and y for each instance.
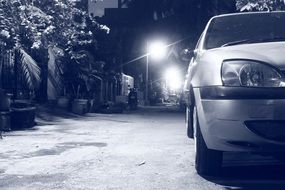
(250, 74)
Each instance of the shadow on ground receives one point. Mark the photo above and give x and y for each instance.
(50, 115)
(162, 108)
(261, 177)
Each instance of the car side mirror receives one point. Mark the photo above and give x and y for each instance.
(187, 54)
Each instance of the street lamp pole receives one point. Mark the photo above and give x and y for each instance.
(146, 77)
(156, 50)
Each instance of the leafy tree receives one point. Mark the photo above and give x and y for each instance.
(11, 30)
(30, 27)
(260, 5)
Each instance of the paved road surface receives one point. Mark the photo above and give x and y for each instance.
(142, 150)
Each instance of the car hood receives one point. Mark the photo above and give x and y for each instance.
(272, 53)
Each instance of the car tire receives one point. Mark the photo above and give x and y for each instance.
(189, 122)
(207, 161)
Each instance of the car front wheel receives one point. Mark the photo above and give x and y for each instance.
(189, 122)
(207, 161)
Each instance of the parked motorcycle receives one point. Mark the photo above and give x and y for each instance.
(133, 99)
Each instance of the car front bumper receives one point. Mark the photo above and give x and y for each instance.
(242, 119)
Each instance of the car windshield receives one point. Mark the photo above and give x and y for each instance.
(245, 28)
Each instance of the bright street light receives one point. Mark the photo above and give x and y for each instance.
(157, 50)
(173, 78)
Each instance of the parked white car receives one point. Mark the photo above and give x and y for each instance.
(235, 88)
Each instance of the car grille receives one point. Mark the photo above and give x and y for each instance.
(273, 130)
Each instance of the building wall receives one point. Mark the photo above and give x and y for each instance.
(97, 7)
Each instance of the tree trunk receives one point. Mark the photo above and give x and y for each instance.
(42, 58)
(16, 73)
(44, 77)
(1, 67)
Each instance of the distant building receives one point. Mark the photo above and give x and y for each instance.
(97, 7)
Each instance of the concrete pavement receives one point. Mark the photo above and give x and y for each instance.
(143, 150)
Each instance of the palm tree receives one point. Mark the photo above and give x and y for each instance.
(29, 69)
(17, 67)
(25, 71)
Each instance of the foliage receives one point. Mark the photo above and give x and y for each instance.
(29, 69)
(82, 75)
(32, 26)
(76, 33)
(260, 5)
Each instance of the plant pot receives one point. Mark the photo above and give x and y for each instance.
(5, 121)
(63, 102)
(4, 101)
(80, 106)
(22, 116)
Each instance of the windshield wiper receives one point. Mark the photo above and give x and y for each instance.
(256, 40)
(273, 39)
(235, 42)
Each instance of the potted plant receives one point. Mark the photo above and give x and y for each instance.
(23, 111)
(5, 124)
(79, 104)
(81, 77)
(63, 101)
(26, 73)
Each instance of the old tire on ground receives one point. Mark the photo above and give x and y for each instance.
(207, 161)
(189, 122)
